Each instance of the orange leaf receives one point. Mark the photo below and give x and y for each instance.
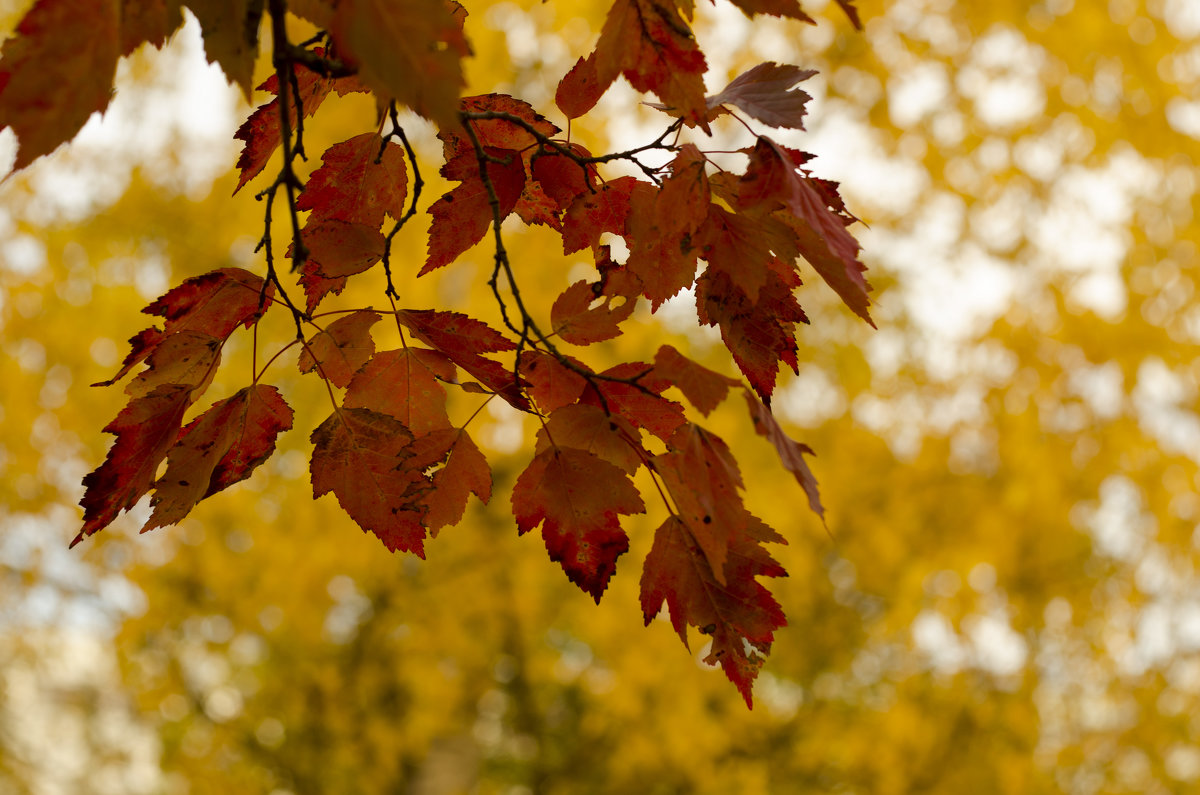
(222, 446)
(404, 384)
(585, 427)
(703, 388)
(214, 303)
(462, 217)
(791, 452)
(342, 348)
(365, 459)
(551, 384)
(359, 180)
(738, 613)
(578, 497)
(56, 71)
(466, 472)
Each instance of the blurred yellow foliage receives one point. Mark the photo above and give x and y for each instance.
(1008, 602)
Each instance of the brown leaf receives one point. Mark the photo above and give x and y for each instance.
(342, 348)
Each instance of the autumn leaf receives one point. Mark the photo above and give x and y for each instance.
(359, 181)
(585, 427)
(230, 30)
(56, 71)
(262, 132)
(222, 446)
(704, 388)
(561, 178)
(593, 214)
(150, 23)
(577, 498)
(767, 93)
(145, 430)
(336, 250)
(141, 345)
(651, 44)
(736, 611)
(214, 303)
(461, 217)
(465, 472)
(635, 393)
(589, 312)
(791, 452)
(404, 384)
(777, 8)
(551, 383)
(364, 458)
(341, 349)
(410, 50)
(821, 231)
(184, 358)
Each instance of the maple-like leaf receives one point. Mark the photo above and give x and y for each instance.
(735, 245)
(409, 50)
(145, 430)
(498, 133)
(141, 345)
(404, 384)
(661, 224)
(736, 611)
(588, 312)
(577, 498)
(791, 452)
(463, 339)
(341, 349)
(359, 181)
(759, 334)
(772, 177)
(703, 388)
(214, 303)
(56, 71)
(148, 22)
(461, 217)
(261, 131)
(364, 458)
(230, 31)
(184, 358)
(637, 397)
(767, 93)
(336, 250)
(593, 214)
(551, 384)
(222, 446)
(651, 44)
(585, 427)
(562, 178)
(778, 8)
(465, 472)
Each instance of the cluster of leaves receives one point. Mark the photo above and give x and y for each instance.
(389, 450)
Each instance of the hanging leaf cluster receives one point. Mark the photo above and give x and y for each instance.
(389, 450)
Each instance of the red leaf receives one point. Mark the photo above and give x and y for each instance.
(145, 429)
(407, 49)
(466, 472)
(578, 497)
(641, 404)
(261, 131)
(760, 334)
(736, 611)
(498, 133)
(222, 446)
(149, 22)
(777, 8)
(791, 452)
(342, 348)
(585, 427)
(56, 71)
(562, 178)
(551, 384)
(736, 245)
(358, 182)
(767, 93)
(821, 233)
(183, 359)
(703, 388)
(580, 89)
(463, 339)
(588, 312)
(462, 217)
(141, 345)
(661, 225)
(404, 384)
(651, 44)
(215, 303)
(365, 459)
(593, 214)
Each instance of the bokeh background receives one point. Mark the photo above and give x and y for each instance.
(1007, 600)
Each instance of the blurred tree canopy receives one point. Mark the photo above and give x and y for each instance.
(1007, 600)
